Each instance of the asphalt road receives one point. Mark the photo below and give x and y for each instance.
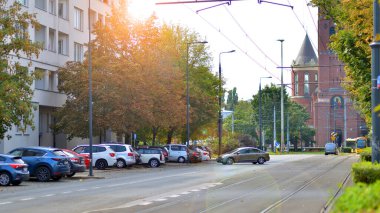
(289, 183)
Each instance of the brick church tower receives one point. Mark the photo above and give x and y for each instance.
(317, 86)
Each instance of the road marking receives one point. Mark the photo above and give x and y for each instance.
(145, 203)
(81, 190)
(185, 193)
(67, 192)
(3, 203)
(49, 195)
(28, 198)
(173, 196)
(160, 199)
(96, 187)
(195, 190)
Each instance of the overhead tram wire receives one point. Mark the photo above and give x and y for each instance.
(233, 43)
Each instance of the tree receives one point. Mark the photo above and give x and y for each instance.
(232, 99)
(15, 79)
(243, 122)
(354, 24)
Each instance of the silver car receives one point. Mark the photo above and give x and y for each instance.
(177, 152)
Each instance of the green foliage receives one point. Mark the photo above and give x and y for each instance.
(347, 149)
(15, 80)
(359, 198)
(243, 122)
(365, 172)
(229, 143)
(232, 99)
(366, 154)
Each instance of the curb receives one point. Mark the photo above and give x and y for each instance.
(86, 177)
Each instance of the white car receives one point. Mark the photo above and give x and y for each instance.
(205, 154)
(124, 154)
(177, 152)
(151, 156)
(102, 156)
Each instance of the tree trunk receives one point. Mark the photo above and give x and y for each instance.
(170, 135)
(154, 131)
(127, 138)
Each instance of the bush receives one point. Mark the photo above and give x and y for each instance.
(359, 198)
(366, 154)
(347, 149)
(365, 172)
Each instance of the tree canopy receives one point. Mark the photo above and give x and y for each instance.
(15, 79)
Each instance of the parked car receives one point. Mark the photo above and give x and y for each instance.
(76, 162)
(177, 152)
(102, 156)
(151, 156)
(244, 154)
(124, 154)
(164, 151)
(207, 149)
(44, 163)
(331, 148)
(13, 170)
(204, 155)
(195, 156)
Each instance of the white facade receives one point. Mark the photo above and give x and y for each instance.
(64, 33)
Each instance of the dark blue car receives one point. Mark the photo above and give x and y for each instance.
(13, 170)
(44, 163)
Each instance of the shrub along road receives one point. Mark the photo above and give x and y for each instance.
(287, 183)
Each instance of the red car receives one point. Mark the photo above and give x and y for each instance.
(76, 160)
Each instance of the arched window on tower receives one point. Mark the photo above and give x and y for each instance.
(296, 84)
(306, 87)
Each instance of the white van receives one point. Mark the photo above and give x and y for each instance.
(177, 152)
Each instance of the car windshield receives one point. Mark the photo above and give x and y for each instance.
(233, 151)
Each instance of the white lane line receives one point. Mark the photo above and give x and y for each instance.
(185, 193)
(173, 196)
(3, 203)
(81, 190)
(28, 198)
(96, 187)
(145, 203)
(68, 192)
(49, 195)
(160, 199)
(195, 190)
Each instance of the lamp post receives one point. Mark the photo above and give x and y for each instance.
(187, 89)
(90, 172)
(282, 97)
(260, 116)
(220, 103)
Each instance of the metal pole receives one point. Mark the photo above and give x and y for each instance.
(90, 88)
(287, 135)
(282, 97)
(233, 120)
(375, 96)
(274, 128)
(220, 103)
(345, 119)
(187, 95)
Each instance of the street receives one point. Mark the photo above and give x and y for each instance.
(287, 183)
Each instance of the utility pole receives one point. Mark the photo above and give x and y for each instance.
(345, 119)
(287, 134)
(282, 97)
(274, 128)
(375, 96)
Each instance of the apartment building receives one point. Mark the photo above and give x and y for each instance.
(63, 33)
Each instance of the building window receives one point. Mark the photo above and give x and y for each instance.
(23, 2)
(316, 77)
(20, 31)
(52, 7)
(41, 4)
(51, 46)
(306, 87)
(62, 9)
(78, 19)
(92, 18)
(296, 84)
(40, 36)
(39, 83)
(63, 41)
(78, 52)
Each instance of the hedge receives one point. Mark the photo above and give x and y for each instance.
(359, 198)
(346, 149)
(366, 154)
(365, 172)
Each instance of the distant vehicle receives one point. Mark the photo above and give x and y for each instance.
(205, 154)
(331, 148)
(164, 151)
(151, 156)
(44, 163)
(177, 152)
(13, 170)
(195, 156)
(102, 156)
(244, 154)
(77, 163)
(124, 154)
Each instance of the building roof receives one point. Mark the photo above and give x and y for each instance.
(306, 55)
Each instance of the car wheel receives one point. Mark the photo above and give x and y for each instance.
(326, 154)
(16, 183)
(181, 160)
(230, 161)
(70, 174)
(154, 163)
(43, 174)
(120, 163)
(101, 164)
(261, 160)
(5, 179)
(56, 178)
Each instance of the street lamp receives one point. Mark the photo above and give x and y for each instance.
(220, 103)
(282, 97)
(260, 116)
(187, 88)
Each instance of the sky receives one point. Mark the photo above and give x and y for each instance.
(250, 28)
